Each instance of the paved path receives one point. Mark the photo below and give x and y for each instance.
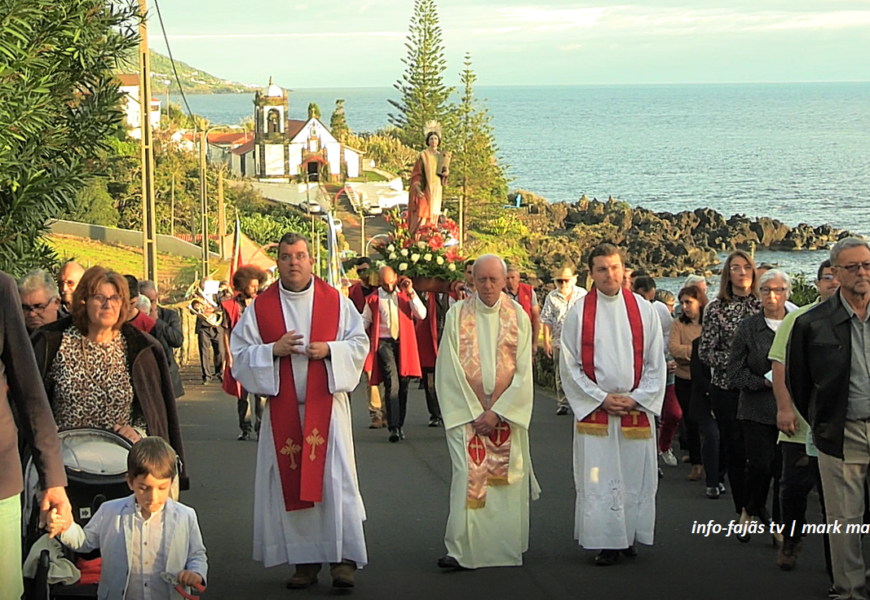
(405, 488)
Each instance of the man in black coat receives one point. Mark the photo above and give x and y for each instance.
(828, 376)
(22, 396)
(168, 332)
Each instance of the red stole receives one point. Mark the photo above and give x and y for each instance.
(524, 298)
(427, 334)
(409, 357)
(233, 312)
(635, 425)
(301, 448)
(357, 296)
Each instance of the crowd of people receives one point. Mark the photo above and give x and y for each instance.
(758, 393)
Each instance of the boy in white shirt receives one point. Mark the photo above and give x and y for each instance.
(144, 535)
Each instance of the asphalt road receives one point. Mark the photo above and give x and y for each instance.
(405, 489)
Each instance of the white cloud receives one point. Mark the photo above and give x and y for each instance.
(825, 20)
(549, 19)
(236, 36)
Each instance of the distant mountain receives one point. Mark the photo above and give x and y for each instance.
(194, 80)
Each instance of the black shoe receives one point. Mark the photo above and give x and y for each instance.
(606, 558)
(562, 410)
(448, 562)
(630, 552)
(244, 436)
(401, 433)
(435, 422)
(394, 434)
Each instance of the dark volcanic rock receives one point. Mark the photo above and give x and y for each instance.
(662, 243)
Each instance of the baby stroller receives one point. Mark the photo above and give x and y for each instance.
(96, 471)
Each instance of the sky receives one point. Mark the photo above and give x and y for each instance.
(361, 43)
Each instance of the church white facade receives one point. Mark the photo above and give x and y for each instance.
(285, 149)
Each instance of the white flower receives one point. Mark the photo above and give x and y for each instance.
(391, 248)
(440, 260)
(404, 252)
(415, 258)
(403, 267)
(392, 256)
(422, 245)
(451, 267)
(427, 257)
(380, 264)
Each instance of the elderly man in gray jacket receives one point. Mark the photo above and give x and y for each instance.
(23, 403)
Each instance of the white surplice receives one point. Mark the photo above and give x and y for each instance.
(616, 478)
(333, 529)
(497, 534)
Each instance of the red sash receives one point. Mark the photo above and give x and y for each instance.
(636, 424)
(301, 456)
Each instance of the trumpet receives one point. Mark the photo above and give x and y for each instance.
(205, 308)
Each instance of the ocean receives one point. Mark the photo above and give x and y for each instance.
(794, 152)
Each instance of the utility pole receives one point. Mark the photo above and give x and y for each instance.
(462, 216)
(172, 207)
(149, 216)
(203, 202)
(222, 218)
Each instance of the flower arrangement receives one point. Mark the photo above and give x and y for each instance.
(431, 254)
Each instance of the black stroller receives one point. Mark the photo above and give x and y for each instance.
(96, 470)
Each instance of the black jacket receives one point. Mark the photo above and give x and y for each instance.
(149, 374)
(170, 335)
(700, 407)
(818, 369)
(747, 367)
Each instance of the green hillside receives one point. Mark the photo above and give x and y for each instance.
(194, 80)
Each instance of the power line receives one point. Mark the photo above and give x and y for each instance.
(174, 69)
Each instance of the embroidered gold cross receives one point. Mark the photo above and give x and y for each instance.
(315, 440)
(635, 415)
(290, 449)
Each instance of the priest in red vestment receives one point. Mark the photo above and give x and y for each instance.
(302, 344)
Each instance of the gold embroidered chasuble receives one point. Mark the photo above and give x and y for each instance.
(502, 487)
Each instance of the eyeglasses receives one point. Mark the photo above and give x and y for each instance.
(562, 281)
(766, 291)
(827, 277)
(740, 269)
(101, 299)
(37, 308)
(854, 268)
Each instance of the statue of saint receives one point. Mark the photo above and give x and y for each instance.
(427, 181)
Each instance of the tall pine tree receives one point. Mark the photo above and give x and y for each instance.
(424, 96)
(338, 123)
(476, 174)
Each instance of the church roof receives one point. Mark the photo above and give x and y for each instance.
(294, 126)
(243, 149)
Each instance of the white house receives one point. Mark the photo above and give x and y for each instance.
(130, 88)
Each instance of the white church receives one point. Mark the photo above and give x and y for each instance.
(285, 149)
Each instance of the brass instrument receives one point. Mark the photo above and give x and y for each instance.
(205, 308)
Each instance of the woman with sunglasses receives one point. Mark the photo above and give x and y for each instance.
(737, 299)
(100, 371)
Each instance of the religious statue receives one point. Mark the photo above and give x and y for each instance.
(427, 181)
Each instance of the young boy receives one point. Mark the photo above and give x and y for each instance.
(159, 534)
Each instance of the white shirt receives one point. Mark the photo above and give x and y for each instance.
(417, 308)
(147, 558)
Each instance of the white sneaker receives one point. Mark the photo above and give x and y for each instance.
(668, 458)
